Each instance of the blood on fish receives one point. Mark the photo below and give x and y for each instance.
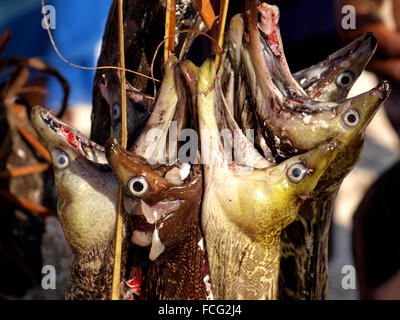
(273, 38)
(299, 101)
(70, 137)
(136, 283)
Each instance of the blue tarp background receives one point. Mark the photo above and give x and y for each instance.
(79, 29)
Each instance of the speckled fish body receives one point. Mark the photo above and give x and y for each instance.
(306, 239)
(244, 209)
(87, 198)
(305, 242)
(300, 239)
(165, 214)
(138, 106)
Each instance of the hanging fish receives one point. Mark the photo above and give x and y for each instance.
(87, 199)
(333, 78)
(330, 79)
(290, 123)
(163, 198)
(138, 106)
(242, 229)
(307, 237)
(166, 220)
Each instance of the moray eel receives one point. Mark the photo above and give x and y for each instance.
(151, 144)
(304, 243)
(321, 82)
(292, 123)
(166, 221)
(138, 106)
(333, 78)
(330, 79)
(87, 198)
(242, 229)
(163, 198)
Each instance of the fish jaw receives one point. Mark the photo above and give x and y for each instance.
(269, 16)
(87, 191)
(175, 208)
(322, 81)
(237, 224)
(270, 201)
(151, 143)
(308, 130)
(352, 141)
(242, 218)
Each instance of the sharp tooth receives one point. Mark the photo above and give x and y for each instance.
(156, 246)
(184, 171)
(148, 213)
(142, 238)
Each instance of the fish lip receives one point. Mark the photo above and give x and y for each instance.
(372, 40)
(85, 144)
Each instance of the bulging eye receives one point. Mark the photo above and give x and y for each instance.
(345, 79)
(60, 159)
(296, 172)
(138, 186)
(351, 118)
(116, 111)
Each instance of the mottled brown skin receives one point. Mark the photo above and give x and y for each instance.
(90, 274)
(304, 247)
(179, 271)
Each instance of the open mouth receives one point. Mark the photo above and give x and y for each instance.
(87, 148)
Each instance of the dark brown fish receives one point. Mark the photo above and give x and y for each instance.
(163, 197)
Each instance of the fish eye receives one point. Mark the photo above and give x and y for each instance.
(116, 111)
(138, 186)
(351, 118)
(60, 159)
(345, 79)
(296, 172)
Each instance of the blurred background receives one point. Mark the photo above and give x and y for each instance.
(311, 31)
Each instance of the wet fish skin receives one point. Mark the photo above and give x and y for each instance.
(293, 124)
(139, 106)
(178, 271)
(305, 240)
(153, 146)
(87, 198)
(244, 209)
(175, 265)
(323, 81)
